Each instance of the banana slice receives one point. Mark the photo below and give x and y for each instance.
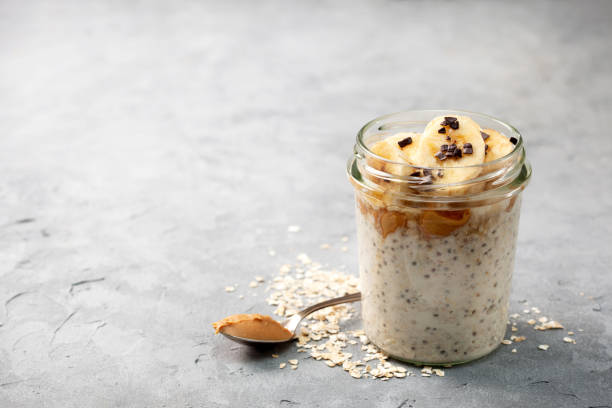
(499, 145)
(451, 141)
(400, 148)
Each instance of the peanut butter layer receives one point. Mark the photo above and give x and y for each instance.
(386, 221)
(252, 326)
(432, 223)
(442, 223)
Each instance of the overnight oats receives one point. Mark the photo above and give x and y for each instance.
(438, 203)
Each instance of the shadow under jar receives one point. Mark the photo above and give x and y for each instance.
(435, 260)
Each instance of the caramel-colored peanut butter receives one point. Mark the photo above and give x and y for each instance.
(435, 223)
(252, 326)
(442, 223)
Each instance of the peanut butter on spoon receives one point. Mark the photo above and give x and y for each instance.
(252, 326)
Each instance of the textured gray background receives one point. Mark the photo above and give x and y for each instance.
(161, 149)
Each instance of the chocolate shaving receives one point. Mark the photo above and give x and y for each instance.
(467, 148)
(513, 140)
(454, 125)
(458, 153)
(440, 156)
(405, 142)
(442, 130)
(484, 135)
(444, 148)
(440, 173)
(450, 119)
(426, 172)
(416, 174)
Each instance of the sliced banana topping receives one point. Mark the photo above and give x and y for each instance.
(451, 142)
(456, 145)
(399, 148)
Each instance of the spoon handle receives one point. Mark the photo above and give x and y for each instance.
(353, 297)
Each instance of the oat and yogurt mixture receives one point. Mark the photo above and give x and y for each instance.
(435, 275)
(442, 299)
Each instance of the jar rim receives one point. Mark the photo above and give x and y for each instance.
(504, 176)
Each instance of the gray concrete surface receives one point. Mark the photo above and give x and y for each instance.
(153, 152)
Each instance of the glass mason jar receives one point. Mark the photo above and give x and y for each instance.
(435, 260)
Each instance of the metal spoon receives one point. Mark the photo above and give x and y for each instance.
(292, 323)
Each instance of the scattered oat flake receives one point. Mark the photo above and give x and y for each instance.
(551, 325)
(543, 319)
(253, 284)
(325, 246)
(294, 367)
(514, 350)
(259, 278)
(526, 311)
(506, 341)
(294, 362)
(543, 347)
(531, 322)
(355, 373)
(344, 239)
(230, 288)
(514, 328)
(274, 355)
(515, 315)
(241, 296)
(439, 372)
(344, 249)
(282, 365)
(570, 333)
(294, 228)
(569, 340)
